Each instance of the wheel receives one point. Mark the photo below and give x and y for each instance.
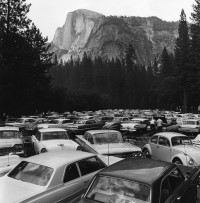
(43, 150)
(146, 153)
(177, 161)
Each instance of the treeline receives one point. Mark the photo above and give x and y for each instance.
(116, 83)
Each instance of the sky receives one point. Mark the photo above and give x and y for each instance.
(47, 15)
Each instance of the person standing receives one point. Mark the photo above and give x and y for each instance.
(153, 125)
(159, 125)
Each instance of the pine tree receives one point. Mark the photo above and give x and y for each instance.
(24, 58)
(194, 56)
(181, 56)
(166, 68)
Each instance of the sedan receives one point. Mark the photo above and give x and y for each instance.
(173, 147)
(51, 139)
(107, 142)
(50, 177)
(143, 181)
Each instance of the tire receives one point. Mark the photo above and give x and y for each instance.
(43, 150)
(146, 153)
(177, 161)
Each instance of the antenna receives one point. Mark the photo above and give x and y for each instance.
(108, 150)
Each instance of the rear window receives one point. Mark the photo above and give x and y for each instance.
(111, 189)
(9, 134)
(54, 135)
(32, 173)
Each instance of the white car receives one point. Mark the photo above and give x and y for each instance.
(107, 142)
(21, 122)
(52, 139)
(10, 139)
(50, 177)
(135, 125)
(173, 147)
(190, 125)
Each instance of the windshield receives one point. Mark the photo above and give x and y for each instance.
(19, 120)
(181, 140)
(32, 173)
(80, 122)
(54, 135)
(110, 137)
(9, 134)
(53, 121)
(110, 189)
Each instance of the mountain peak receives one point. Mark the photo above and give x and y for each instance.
(88, 13)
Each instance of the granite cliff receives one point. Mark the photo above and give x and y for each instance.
(108, 37)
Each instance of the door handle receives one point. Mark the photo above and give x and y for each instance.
(85, 181)
(157, 146)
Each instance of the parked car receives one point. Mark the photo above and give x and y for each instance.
(112, 125)
(173, 147)
(10, 120)
(142, 181)
(21, 123)
(81, 126)
(10, 140)
(107, 142)
(190, 126)
(50, 177)
(51, 139)
(135, 125)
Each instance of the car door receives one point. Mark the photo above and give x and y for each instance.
(36, 142)
(153, 143)
(72, 188)
(183, 190)
(88, 168)
(163, 149)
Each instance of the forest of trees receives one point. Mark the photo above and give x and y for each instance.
(30, 83)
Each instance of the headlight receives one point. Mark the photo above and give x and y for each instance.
(191, 162)
(138, 154)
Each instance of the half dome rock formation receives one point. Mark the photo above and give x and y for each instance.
(75, 33)
(108, 37)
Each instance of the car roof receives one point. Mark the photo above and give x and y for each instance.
(58, 158)
(51, 130)
(139, 119)
(169, 134)
(101, 131)
(62, 119)
(4, 128)
(146, 171)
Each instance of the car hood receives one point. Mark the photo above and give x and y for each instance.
(15, 191)
(52, 145)
(191, 150)
(115, 148)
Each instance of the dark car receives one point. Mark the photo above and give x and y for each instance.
(81, 126)
(143, 180)
(112, 126)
